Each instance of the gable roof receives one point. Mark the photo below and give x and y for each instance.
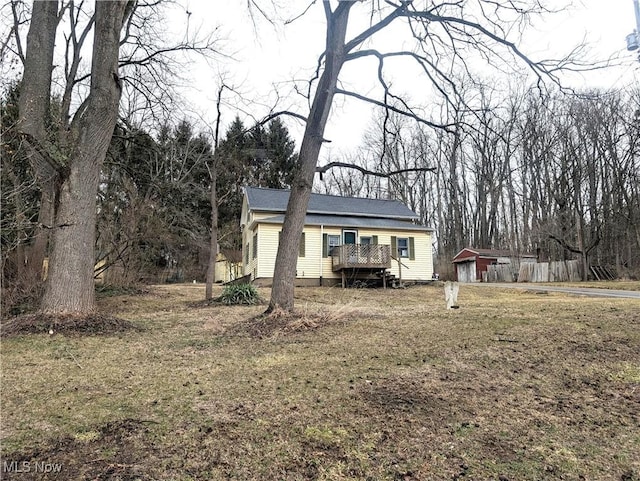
(275, 200)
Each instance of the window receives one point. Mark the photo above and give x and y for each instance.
(329, 242)
(332, 241)
(366, 240)
(403, 247)
(255, 245)
(246, 254)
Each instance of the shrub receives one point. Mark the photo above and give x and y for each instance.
(239, 294)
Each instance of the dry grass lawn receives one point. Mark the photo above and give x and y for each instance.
(361, 385)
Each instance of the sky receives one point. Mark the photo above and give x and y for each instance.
(265, 58)
(262, 59)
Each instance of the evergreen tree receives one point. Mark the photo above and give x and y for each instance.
(154, 205)
(280, 152)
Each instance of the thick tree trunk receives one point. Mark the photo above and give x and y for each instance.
(33, 105)
(70, 287)
(286, 261)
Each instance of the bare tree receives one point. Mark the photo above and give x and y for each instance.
(67, 145)
(75, 176)
(213, 197)
(444, 33)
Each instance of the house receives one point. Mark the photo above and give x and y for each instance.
(228, 265)
(344, 239)
(474, 265)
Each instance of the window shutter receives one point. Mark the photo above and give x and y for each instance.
(394, 246)
(255, 245)
(374, 240)
(412, 248)
(302, 246)
(325, 245)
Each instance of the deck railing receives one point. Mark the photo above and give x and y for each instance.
(366, 256)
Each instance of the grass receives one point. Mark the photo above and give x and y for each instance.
(621, 285)
(362, 385)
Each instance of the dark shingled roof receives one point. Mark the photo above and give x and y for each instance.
(352, 221)
(275, 200)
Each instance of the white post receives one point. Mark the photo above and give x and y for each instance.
(451, 294)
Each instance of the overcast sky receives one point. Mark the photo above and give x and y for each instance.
(267, 57)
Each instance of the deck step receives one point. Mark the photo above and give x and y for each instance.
(390, 279)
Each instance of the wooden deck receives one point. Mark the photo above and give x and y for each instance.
(361, 256)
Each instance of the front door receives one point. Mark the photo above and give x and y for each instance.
(350, 237)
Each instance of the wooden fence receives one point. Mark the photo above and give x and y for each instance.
(499, 273)
(557, 271)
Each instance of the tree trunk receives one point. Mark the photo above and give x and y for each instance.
(213, 172)
(213, 243)
(33, 106)
(70, 287)
(286, 261)
(581, 247)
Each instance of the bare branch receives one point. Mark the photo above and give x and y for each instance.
(14, 31)
(253, 3)
(293, 19)
(406, 113)
(356, 41)
(331, 165)
(289, 113)
(454, 22)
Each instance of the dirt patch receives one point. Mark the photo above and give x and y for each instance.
(116, 451)
(67, 324)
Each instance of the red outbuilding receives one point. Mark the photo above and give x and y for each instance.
(471, 263)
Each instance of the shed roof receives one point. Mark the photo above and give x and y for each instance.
(275, 200)
(467, 254)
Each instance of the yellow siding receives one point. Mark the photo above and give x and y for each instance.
(314, 266)
(418, 269)
(309, 265)
(267, 248)
(247, 247)
(268, 237)
(255, 216)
